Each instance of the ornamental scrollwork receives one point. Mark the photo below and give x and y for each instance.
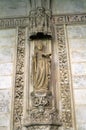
(19, 81)
(65, 92)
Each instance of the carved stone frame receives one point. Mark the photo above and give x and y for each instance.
(58, 21)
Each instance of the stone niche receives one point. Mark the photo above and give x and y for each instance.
(41, 112)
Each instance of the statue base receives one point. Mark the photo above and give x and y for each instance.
(39, 120)
(43, 127)
(42, 115)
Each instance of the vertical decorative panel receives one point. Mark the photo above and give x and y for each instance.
(65, 94)
(19, 83)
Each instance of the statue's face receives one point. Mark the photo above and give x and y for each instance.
(40, 47)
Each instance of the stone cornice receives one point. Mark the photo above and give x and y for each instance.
(14, 22)
(69, 19)
(56, 20)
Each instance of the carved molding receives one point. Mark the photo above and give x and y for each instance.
(56, 19)
(65, 92)
(44, 127)
(13, 22)
(19, 81)
(69, 19)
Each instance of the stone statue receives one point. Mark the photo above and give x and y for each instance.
(41, 68)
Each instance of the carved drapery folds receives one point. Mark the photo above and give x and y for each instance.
(19, 81)
(42, 112)
(41, 68)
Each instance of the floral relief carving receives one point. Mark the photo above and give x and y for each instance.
(66, 112)
(19, 81)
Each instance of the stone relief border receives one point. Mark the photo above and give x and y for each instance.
(69, 19)
(65, 92)
(13, 22)
(19, 81)
(56, 19)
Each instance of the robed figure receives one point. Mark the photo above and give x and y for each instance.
(41, 69)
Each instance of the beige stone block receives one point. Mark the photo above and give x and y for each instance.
(77, 31)
(3, 128)
(81, 126)
(6, 69)
(7, 33)
(79, 81)
(77, 44)
(5, 82)
(5, 101)
(4, 119)
(80, 96)
(13, 8)
(78, 68)
(80, 113)
(6, 54)
(8, 42)
(78, 56)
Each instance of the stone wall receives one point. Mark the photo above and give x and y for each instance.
(7, 68)
(76, 49)
(15, 8)
(77, 52)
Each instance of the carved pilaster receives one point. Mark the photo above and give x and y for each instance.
(19, 82)
(65, 91)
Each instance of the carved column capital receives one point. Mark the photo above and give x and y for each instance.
(39, 21)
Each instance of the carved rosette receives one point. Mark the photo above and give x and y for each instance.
(19, 82)
(65, 91)
(40, 21)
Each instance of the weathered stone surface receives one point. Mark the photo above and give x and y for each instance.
(78, 68)
(5, 82)
(78, 55)
(77, 49)
(3, 128)
(6, 69)
(7, 42)
(7, 50)
(68, 6)
(5, 101)
(4, 119)
(7, 33)
(80, 114)
(76, 31)
(79, 81)
(78, 44)
(13, 8)
(80, 96)
(6, 54)
(81, 126)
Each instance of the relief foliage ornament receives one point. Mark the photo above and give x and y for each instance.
(65, 92)
(19, 81)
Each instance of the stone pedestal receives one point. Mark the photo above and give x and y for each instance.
(42, 116)
(43, 127)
